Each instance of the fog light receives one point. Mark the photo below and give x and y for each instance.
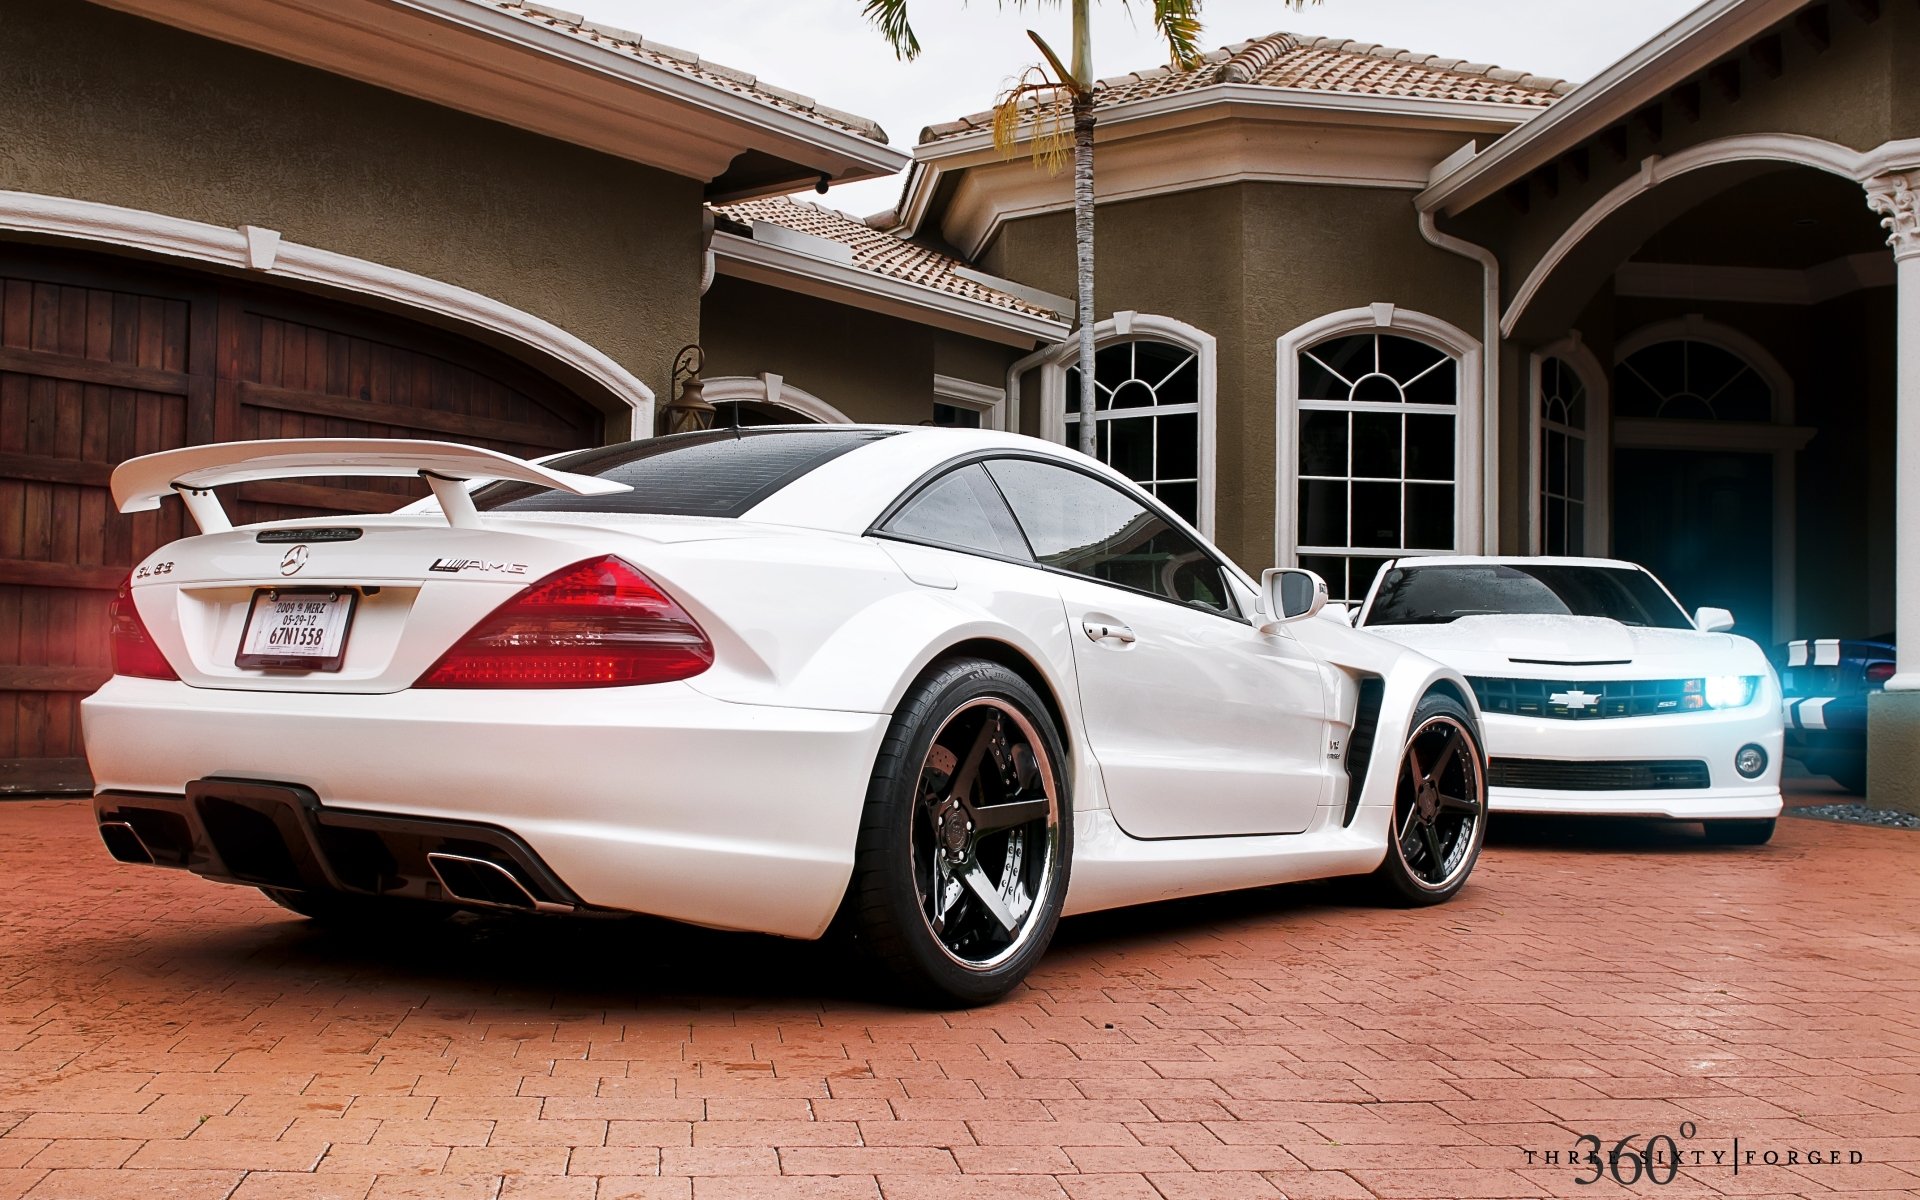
(1750, 761)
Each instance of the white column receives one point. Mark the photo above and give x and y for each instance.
(1896, 197)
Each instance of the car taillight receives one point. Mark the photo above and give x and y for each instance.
(598, 623)
(133, 650)
(1878, 673)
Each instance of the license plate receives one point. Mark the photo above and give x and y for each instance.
(297, 630)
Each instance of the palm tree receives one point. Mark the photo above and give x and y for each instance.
(1039, 92)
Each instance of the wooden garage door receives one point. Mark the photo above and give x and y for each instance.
(101, 361)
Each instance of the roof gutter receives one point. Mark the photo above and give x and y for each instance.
(1683, 49)
(1489, 367)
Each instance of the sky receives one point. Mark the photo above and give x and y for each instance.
(827, 50)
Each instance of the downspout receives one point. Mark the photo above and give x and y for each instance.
(1490, 371)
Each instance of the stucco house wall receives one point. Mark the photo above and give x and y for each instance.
(870, 366)
(1247, 262)
(101, 106)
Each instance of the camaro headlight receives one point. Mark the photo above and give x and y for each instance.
(1731, 691)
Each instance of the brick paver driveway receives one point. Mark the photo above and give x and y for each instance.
(161, 1036)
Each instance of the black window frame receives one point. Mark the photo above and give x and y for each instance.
(877, 528)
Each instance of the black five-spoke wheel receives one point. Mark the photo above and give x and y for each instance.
(1439, 805)
(964, 849)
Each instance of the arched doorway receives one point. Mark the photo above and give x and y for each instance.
(1741, 296)
(1703, 454)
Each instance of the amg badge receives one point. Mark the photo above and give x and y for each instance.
(454, 566)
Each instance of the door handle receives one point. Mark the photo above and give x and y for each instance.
(1108, 631)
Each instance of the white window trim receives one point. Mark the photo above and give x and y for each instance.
(989, 401)
(1781, 438)
(1469, 473)
(1598, 438)
(771, 389)
(1129, 326)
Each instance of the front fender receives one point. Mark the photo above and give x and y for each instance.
(1407, 677)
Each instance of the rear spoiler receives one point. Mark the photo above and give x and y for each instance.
(192, 472)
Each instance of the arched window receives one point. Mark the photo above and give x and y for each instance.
(1562, 418)
(1686, 379)
(1154, 380)
(1377, 468)
(1147, 417)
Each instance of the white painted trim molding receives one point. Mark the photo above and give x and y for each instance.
(1598, 437)
(989, 401)
(1780, 438)
(1128, 326)
(627, 401)
(771, 389)
(1469, 464)
(1791, 148)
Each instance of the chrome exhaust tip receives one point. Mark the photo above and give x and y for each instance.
(123, 842)
(482, 881)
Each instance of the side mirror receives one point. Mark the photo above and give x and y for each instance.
(1290, 594)
(1713, 620)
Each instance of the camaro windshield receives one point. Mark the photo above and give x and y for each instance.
(1436, 595)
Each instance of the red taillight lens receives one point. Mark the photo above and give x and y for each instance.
(595, 624)
(1878, 673)
(133, 650)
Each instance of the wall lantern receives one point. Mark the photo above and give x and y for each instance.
(689, 412)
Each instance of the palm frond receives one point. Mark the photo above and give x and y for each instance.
(1042, 100)
(1178, 22)
(890, 17)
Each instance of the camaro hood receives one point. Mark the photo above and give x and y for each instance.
(1539, 646)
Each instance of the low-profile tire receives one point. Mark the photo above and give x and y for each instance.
(1739, 833)
(1850, 773)
(966, 841)
(340, 910)
(1439, 806)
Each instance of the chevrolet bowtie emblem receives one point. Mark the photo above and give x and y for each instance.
(1573, 699)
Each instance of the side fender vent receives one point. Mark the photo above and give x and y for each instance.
(1366, 723)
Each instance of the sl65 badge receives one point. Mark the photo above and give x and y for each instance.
(454, 566)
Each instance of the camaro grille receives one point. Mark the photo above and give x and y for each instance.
(1587, 701)
(1650, 775)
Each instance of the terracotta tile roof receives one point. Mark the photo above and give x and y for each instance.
(880, 252)
(1284, 60)
(688, 63)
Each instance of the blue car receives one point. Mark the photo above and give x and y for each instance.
(1825, 683)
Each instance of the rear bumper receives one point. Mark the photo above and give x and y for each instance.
(1710, 738)
(653, 799)
(276, 836)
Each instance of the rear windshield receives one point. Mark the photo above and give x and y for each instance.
(715, 473)
(1435, 595)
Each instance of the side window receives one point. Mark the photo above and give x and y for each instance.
(962, 509)
(1080, 524)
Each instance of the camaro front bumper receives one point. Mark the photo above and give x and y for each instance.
(654, 799)
(1678, 766)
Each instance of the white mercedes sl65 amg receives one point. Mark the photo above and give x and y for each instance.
(943, 685)
(1600, 694)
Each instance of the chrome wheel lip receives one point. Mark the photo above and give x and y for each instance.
(1479, 799)
(1029, 921)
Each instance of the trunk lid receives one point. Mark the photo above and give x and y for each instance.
(414, 585)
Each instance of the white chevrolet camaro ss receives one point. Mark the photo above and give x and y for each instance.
(942, 685)
(1599, 694)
